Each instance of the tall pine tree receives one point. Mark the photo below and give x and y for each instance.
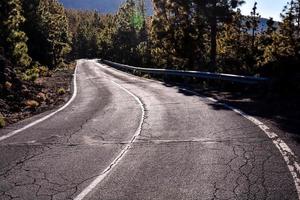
(217, 11)
(56, 29)
(177, 31)
(128, 24)
(12, 38)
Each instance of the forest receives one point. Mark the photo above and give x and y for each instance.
(199, 35)
(39, 36)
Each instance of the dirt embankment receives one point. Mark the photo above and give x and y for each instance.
(22, 99)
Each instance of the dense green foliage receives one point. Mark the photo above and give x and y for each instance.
(48, 31)
(12, 38)
(182, 34)
(191, 34)
(121, 37)
(177, 29)
(33, 33)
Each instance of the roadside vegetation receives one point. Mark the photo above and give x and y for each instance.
(38, 38)
(199, 35)
(34, 43)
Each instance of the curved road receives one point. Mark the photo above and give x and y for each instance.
(125, 137)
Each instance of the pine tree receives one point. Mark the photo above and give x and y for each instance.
(252, 25)
(105, 38)
(177, 34)
(265, 40)
(232, 46)
(284, 42)
(217, 11)
(253, 53)
(13, 39)
(161, 36)
(85, 26)
(83, 36)
(56, 30)
(48, 31)
(125, 40)
(37, 41)
(293, 9)
(143, 47)
(281, 57)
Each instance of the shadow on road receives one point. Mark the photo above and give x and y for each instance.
(281, 111)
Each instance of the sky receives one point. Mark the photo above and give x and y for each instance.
(266, 8)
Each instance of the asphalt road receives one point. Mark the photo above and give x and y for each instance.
(125, 137)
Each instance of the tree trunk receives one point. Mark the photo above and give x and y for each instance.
(54, 58)
(213, 44)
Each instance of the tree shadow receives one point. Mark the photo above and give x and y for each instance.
(283, 111)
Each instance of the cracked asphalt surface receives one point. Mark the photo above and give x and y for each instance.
(189, 147)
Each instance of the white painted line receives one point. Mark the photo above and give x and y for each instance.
(287, 153)
(121, 155)
(4, 137)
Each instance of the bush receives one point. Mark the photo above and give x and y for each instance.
(31, 74)
(44, 71)
(2, 121)
(61, 91)
(40, 97)
(35, 72)
(8, 85)
(32, 104)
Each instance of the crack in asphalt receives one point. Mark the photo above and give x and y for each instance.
(114, 163)
(25, 158)
(43, 183)
(247, 157)
(37, 179)
(246, 168)
(245, 187)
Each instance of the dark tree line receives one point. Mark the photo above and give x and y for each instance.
(190, 34)
(208, 35)
(122, 37)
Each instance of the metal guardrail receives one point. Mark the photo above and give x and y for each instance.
(196, 74)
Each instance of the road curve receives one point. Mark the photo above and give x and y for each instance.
(153, 141)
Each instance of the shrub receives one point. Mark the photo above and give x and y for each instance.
(8, 85)
(31, 74)
(41, 97)
(32, 104)
(44, 71)
(61, 91)
(35, 72)
(2, 121)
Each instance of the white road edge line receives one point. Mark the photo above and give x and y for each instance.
(15, 132)
(287, 153)
(121, 155)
